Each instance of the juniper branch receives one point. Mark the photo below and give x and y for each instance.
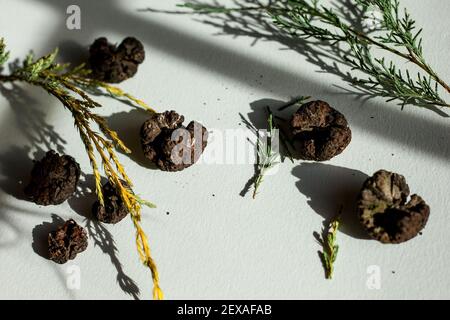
(71, 86)
(330, 248)
(397, 34)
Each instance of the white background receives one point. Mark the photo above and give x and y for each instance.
(215, 243)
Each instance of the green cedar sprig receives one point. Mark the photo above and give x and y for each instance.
(267, 155)
(370, 74)
(329, 247)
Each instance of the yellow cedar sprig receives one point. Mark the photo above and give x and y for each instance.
(45, 73)
(131, 201)
(113, 91)
(119, 93)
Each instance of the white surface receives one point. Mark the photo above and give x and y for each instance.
(223, 246)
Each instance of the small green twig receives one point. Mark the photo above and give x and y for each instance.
(267, 157)
(330, 248)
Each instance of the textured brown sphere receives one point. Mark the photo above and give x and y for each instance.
(384, 212)
(66, 242)
(163, 134)
(115, 64)
(114, 209)
(320, 132)
(53, 179)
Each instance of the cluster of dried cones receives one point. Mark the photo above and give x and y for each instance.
(319, 132)
(54, 178)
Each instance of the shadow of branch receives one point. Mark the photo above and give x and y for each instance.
(81, 203)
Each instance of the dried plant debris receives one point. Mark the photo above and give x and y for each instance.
(319, 131)
(384, 212)
(170, 145)
(113, 210)
(53, 179)
(66, 242)
(115, 64)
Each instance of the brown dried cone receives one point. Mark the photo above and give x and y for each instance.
(114, 209)
(115, 64)
(66, 242)
(384, 212)
(319, 131)
(170, 145)
(53, 179)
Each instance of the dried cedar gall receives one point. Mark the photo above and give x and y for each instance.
(170, 145)
(53, 179)
(114, 209)
(115, 64)
(66, 242)
(384, 212)
(319, 131)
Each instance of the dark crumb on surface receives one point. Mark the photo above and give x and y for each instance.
(319, 131)
(66, 242)
(213, 195)
(114, 209)
(393, 272)
(167, 212)
(384, 211)
(53, 179)
(115, 64)
(164, 134)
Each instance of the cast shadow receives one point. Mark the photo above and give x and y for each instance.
(282, 112)
(81, 202)
(73, 52)
(40, 136)
(40, 235)
(328, 188)
(31, 120)
(105, 241)
(84, 197)
(128, 125)
(15, 168)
